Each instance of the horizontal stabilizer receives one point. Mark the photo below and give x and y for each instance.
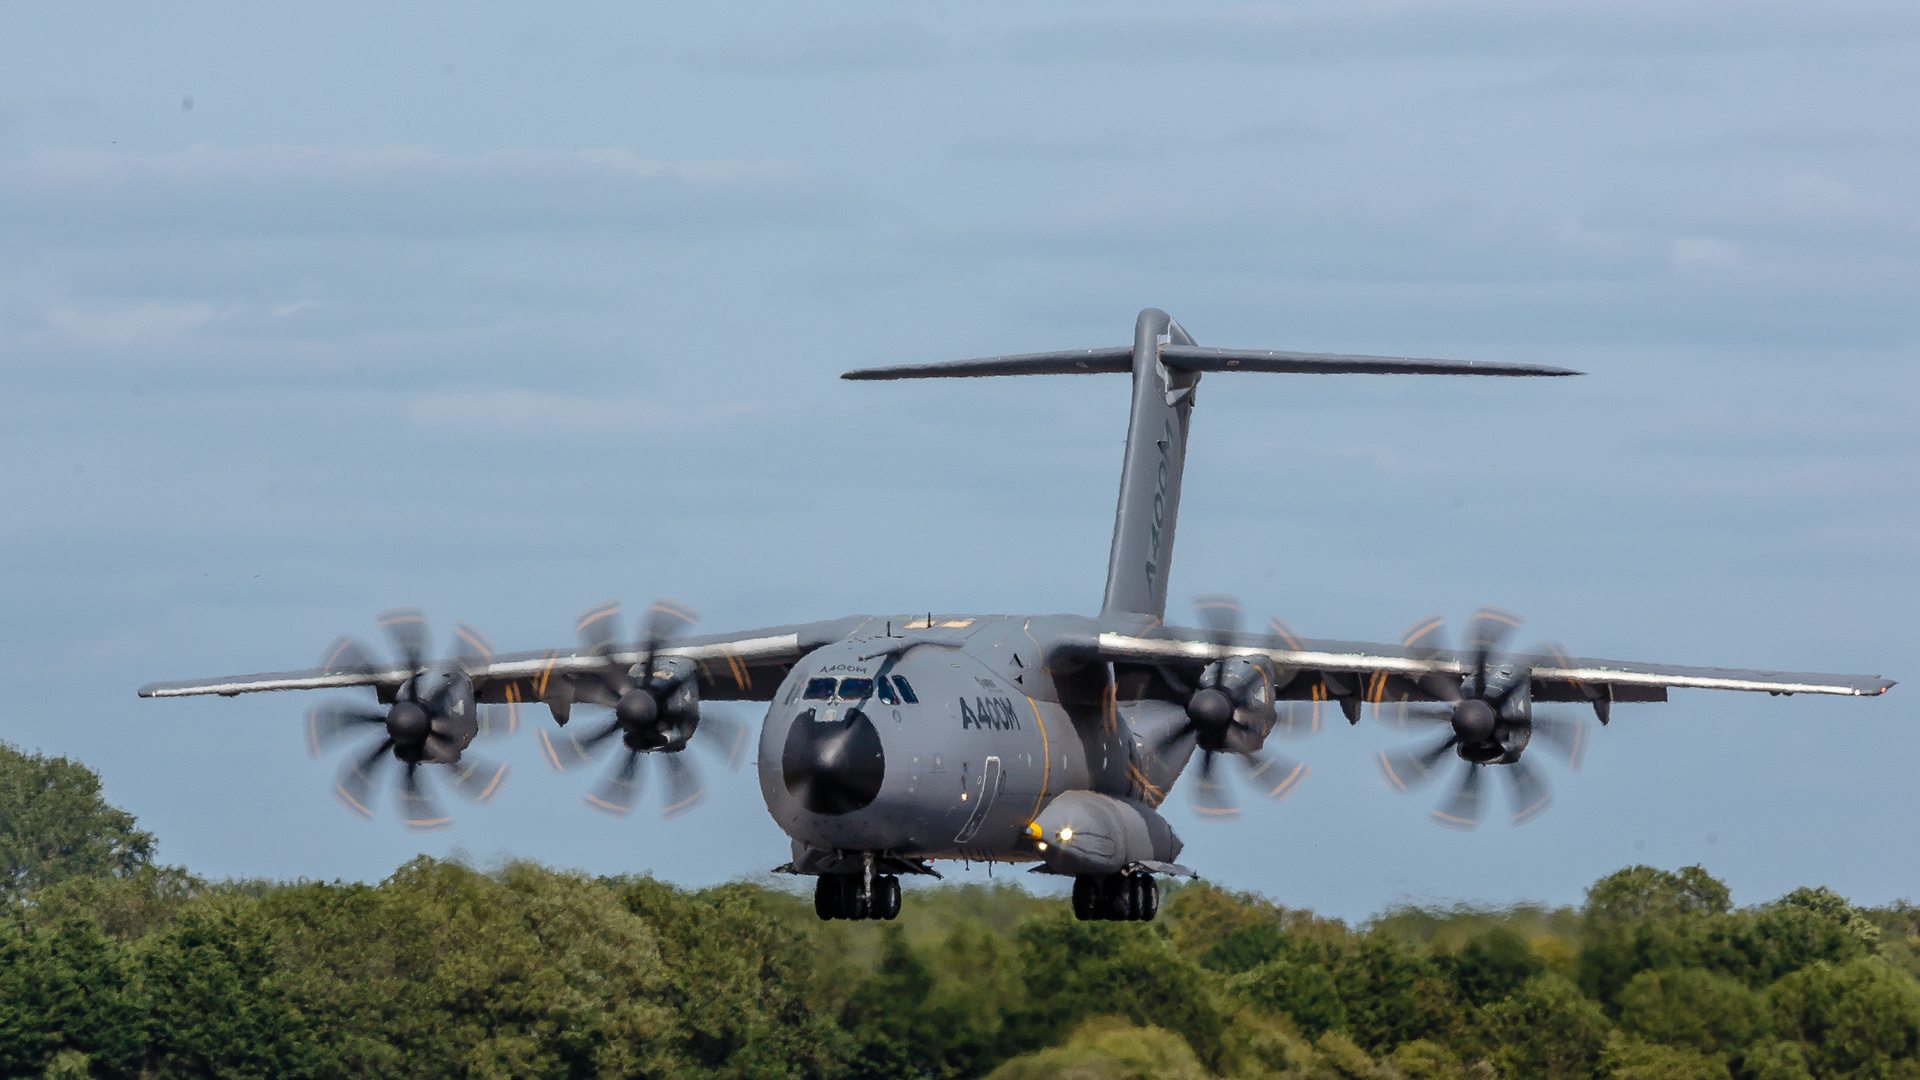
(1198, 358)
(1119, 360)
(1115, 360)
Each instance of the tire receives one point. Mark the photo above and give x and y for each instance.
(1086, 898)
(826, 897)
(889, 889)
(1149, 904)
(1119, 894)
(851, 905)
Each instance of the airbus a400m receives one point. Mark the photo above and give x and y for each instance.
(894, 740)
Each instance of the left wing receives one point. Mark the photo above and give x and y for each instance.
(1357, 672)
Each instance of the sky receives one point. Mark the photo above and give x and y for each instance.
(310, 313)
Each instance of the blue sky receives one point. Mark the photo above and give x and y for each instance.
(503, 313)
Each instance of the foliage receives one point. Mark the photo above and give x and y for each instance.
(1109, 1049)
(112, 967)
(1547, 1031)
(54, 825)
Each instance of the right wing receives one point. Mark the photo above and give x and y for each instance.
(745, 666)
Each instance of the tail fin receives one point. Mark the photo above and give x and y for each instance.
(1166, 367)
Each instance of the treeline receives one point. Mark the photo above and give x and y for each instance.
(111, 966)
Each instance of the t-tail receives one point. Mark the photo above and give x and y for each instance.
(1166, 366)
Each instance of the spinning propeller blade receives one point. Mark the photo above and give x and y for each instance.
(1489, 721)
(430, 722)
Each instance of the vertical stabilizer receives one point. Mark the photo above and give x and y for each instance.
(1150, 475)
(1166, 367)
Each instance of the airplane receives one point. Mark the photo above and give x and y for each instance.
(894, 741)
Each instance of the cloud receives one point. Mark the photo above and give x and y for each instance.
(139, 325)
(838, 48)
(1268, 34)
(1697, 253)
(535, 414)
(523, 413)
(1811, 199)
(416, 189)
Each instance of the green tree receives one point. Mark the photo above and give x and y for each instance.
(1075, 971)
(886, 1016)
(1108, 1048)
(1776, 1059)
(978, 984)
(1805, 926)
(1858, 1019)
(1303, 992)
(214, 1000)
(54, 825)
(1708, 1011)
(1643, 918)
(740, 979)
(445, 971)
(1546, 1031)
(1626, 1059)
(1491, 967)
(65, 992)
(1391, 994)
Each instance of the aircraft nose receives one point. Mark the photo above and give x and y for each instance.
(833, 767)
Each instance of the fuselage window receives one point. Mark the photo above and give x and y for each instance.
(886, 692)
(906, 690)
(855, 689)
(819, 690)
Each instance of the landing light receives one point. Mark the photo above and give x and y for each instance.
(1066, 833)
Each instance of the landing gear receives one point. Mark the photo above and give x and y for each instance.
(1115, 897)
(845, 896)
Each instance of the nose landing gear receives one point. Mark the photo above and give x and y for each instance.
(846, 896)
(1116, 897)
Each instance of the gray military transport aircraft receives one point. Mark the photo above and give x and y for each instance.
(892, 741)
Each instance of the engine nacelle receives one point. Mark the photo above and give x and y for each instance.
(1083, 832)
(675, 688)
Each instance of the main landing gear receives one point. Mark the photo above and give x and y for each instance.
(847, 896)
(1117, 897)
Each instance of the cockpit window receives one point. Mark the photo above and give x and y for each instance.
(886, 692)
(906, 690)
(819, 690)
(855, 689)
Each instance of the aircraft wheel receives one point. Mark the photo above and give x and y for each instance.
(1086, 898)
(1146, 902)
(852, 904)
(1083, 898)
(826, 897)
(888, 890)
(1119, 898)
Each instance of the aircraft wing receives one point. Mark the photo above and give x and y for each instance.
(743, 666)
(1364, 672)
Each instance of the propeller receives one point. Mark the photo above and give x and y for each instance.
(430, 721)
(1231, 712)
(1489, 721)
(655, 710)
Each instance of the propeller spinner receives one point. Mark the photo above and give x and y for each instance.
(655, 709)
(1489, 719)
(430, 721)
(1232, 712)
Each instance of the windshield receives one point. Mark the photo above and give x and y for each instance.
(906, 690)
(855, 689)
(819, 689)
